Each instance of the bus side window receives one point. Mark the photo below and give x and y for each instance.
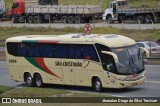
(108, 63)
(74, 51)
(89, 52)
(33, 50)
(60, 51)
(107, 60)
(101, 47)
(12, 48)
(46, 50)
(22, 49)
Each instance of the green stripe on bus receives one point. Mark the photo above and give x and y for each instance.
(33, 62)
(29, 41)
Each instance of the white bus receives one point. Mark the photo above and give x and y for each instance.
(100, 61)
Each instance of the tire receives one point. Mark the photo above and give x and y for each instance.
(96, 17)
(38, 81)
(30, 19)
(15, 20)
(53, 19)
(109, 19)
(64, 19)
(140, 19)
(71, 19)
(36, 19)
(77, 19)
(148, 19)
(97, 85)
(29, 80)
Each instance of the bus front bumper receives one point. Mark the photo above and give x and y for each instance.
(119, 83)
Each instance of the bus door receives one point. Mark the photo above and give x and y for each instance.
(108, 67)
(107, 63)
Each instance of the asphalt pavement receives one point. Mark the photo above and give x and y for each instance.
(150, 89)
(2, 49)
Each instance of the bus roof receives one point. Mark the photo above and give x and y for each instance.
(110, 40)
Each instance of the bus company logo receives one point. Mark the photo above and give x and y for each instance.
(6, 100)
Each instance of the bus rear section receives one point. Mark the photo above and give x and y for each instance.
(75, 60)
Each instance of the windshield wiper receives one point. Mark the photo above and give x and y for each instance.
(134, 65)
(138, 52)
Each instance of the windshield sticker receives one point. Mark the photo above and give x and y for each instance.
(120, 49)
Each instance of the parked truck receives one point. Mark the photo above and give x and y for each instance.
(2, 8)
(120, 11)
(38, 11)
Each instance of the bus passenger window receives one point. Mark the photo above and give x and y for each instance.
(21, 49)
(89, 52)
(33, 50)
(60, 51)
(46, 50)
(74, 51)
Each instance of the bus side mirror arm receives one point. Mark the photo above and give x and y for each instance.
(144, 50)
(111, 54)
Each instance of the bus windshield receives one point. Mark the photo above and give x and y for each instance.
(130, 60)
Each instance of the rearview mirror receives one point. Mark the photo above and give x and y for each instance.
(111, 54)
(144, 51)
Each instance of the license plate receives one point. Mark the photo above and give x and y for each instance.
(134, 84)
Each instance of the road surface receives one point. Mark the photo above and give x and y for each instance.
(2, 49)
(93, 24)
(150, 89)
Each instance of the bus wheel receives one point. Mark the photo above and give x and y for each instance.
(97, 85)
(29, 80)
(38, 81)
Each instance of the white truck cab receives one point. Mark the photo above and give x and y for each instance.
(2, 8)
(110, 14)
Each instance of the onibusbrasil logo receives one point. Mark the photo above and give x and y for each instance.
(21, 100)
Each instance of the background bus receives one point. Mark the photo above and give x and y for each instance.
(106, 61)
